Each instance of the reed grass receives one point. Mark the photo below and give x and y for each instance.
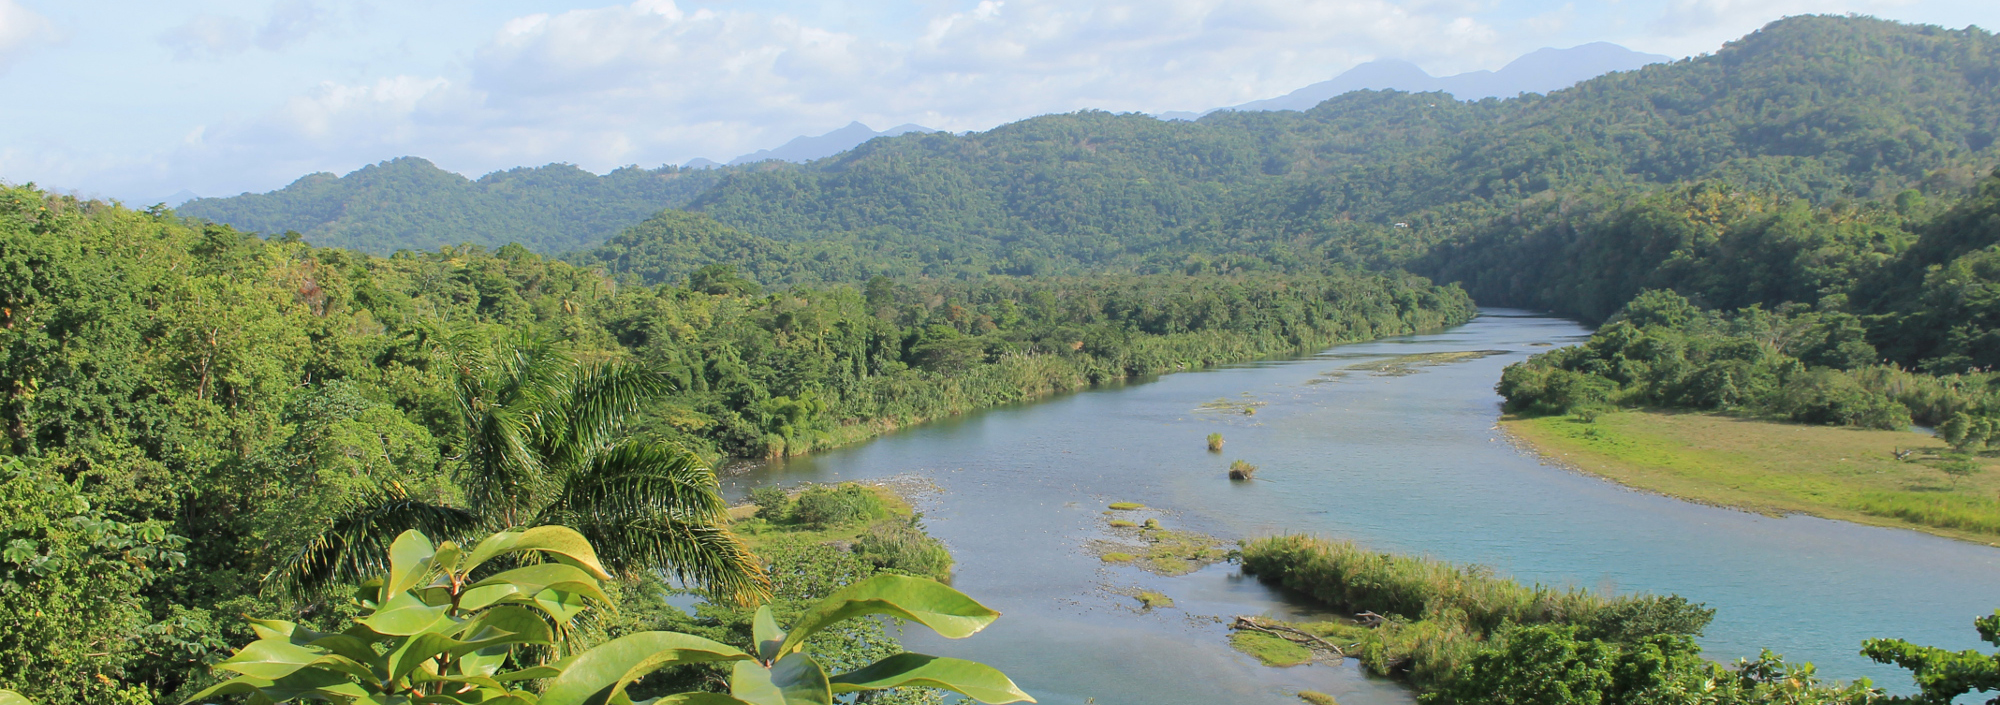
(1438, 615)
(1215, 442)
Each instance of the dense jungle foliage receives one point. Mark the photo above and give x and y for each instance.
(185, 403)
(1819, 315)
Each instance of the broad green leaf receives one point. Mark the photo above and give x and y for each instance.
(279, 629)
(503, 625)
(535, 578)
(751, 682)
(803, 680)
(480, 597)
(696, 699)
(560, 606)
(565, 542)
(764, 629)
(491, 546)
(409, 562)
(528, 674)
(405, 615)
(235, 686)
(270, 659)
(796, 679)
(8, 697)
(616, 663)
(968, 678)
(560, 541)
(352, 648)
(949, 612)
(415, 652)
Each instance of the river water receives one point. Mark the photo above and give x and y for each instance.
(1398, 462)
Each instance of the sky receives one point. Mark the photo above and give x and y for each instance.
(140, 100)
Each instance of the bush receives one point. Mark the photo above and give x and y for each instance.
(903, 546)
(823, 507)
(771, 502)
(1833, 398)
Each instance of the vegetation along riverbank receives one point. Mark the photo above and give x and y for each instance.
(1463, 635)
(1887, 478)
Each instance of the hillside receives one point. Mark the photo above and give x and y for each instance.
(409, 203)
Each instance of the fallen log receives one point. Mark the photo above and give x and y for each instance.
(1287, 633)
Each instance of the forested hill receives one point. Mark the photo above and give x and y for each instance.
(1821, 108)
(409, 203)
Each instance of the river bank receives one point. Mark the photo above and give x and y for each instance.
(1775, 469)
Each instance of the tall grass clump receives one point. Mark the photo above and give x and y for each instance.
(1438, 615)
(1975, 514)
(1242, 470)
(822, 507)
(1215, 443)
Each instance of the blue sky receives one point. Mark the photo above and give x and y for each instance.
(137, 101)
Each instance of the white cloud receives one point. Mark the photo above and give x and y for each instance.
(22, 31)
(207, 36)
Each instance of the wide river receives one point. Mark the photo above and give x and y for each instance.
(1398, 462)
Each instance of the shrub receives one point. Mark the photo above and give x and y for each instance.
(846, 504)
(771, 502)
(1215, 442)
(1833, 398)
(903, 546)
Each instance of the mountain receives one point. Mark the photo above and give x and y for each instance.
(409, 203)
(1817, 108)
(805, 149)
(1542, 71)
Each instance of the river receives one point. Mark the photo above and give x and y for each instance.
(1406, 462)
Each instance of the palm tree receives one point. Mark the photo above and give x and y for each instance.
(544, 445)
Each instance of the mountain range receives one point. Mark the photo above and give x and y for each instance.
(1817, 108)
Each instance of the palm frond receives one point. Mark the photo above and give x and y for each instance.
(357, 545)
(600, 399)
(656, 506)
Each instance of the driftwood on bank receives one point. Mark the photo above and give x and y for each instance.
(1311, 641)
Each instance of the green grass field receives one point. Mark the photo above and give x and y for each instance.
(1778, 468)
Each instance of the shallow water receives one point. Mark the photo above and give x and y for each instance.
(1408, 462)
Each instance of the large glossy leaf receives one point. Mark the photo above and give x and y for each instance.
(409, 562)
(796, 679)
(270, 659)
(764, 629)
(239, 685)
(415, 652)
(535, 578)
(949, 612)
(8, 697)
(802, 679)
(561, 542)
(404, 615)
(612, 666)
(969, 678)
(504, 625)
(696, 699)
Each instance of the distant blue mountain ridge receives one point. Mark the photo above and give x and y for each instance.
(1541, 71)
(805, 149)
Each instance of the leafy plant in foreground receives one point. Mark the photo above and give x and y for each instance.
(446, 622)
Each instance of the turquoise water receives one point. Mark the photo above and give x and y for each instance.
(1409, 463)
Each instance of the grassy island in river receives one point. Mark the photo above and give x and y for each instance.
(1771, 467)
